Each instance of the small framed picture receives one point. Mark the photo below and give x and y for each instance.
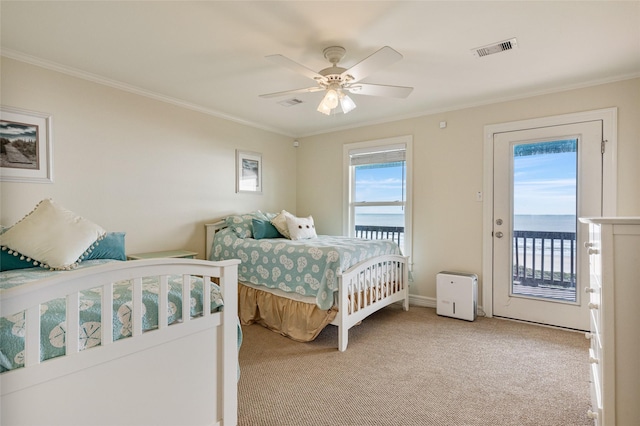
(248, 172)
(25, 154)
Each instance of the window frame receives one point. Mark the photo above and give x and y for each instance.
(349, 204)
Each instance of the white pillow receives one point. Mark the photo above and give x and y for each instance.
(280, 222)
(301, 228)
(53, 236)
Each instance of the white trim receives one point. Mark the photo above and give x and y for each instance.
(423, 301)
(115, 84)
(609, 118)
(349, 148)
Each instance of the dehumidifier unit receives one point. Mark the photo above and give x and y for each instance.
(457, 295)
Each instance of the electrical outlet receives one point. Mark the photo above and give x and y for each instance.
(479, 196)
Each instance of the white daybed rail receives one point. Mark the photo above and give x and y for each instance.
(363, 289)
(368, 287)
(184, 373)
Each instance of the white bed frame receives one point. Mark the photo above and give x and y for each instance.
(179, 374)
(363, 289)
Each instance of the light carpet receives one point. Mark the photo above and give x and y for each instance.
(417, 368)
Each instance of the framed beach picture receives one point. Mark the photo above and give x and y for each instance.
(25, 154)
(248, 172)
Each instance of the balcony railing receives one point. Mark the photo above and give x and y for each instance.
(375, 232)
(544, 259)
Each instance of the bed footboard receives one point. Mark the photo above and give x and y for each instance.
(368, 287)
(147, 378)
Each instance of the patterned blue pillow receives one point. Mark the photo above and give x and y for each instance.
(242, 225)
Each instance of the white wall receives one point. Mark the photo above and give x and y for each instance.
(129, 163)
(447, 219)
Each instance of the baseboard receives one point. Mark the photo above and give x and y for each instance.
(425, 302)
(431, 302)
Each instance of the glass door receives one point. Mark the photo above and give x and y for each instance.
(544, 179)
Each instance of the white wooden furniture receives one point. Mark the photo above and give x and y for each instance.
(363, 289)
(179, 254)
(614, 293)
(179, 374)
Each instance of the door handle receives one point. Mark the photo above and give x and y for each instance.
(499, 234)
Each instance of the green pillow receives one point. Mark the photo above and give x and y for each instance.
(264, 229)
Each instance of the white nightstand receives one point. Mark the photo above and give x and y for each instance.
(159, 254)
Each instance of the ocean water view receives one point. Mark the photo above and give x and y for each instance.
(546, 222)
(521, 222)
(380, 219)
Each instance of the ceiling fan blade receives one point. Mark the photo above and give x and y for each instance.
(292, 92)
(381, 58)
(380, 90)
(301, 69)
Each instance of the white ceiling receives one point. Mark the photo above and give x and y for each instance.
(210, 55)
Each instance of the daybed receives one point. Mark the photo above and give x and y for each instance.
(131, 342)
(298, 284)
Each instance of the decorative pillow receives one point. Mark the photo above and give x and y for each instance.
(264, 229)
(301, 228)
(54, 237)
(110, 247)
(269, 216)
(280, 222)
(241, 225)
(9, 262)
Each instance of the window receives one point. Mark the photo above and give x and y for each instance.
(378, 190)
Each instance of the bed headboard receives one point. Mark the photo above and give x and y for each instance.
(210, 232)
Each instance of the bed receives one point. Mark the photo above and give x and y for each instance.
(296, 287)
(106, 342)
(183, 372)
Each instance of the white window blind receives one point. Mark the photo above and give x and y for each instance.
(390, 154)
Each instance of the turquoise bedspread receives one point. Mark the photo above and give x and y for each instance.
(52, 339)
(308, 267)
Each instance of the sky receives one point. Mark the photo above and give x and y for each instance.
(379, 184)
(545, 184)
(14, 131)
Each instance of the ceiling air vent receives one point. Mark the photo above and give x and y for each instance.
(490, 49)
(290, 102)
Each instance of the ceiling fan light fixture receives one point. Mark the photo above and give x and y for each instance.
(329, 102)
(346, 103)
(331, 99)
(324, 109)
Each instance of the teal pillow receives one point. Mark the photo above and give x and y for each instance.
(9, 262)
(110, 247)
(264, 229)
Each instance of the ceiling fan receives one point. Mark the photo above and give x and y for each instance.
(337, 81)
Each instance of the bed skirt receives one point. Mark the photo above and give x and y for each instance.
(295, 319)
